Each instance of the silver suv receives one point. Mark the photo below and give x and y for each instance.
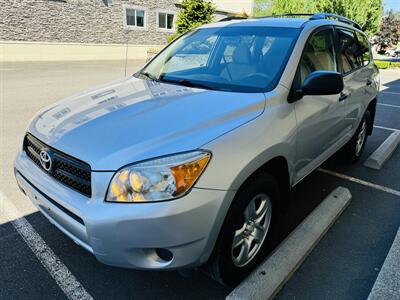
(190, 161)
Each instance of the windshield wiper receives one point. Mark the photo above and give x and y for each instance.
(189, 83)
(149, 76)
(184, 82)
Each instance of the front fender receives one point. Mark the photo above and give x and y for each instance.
(239, 153)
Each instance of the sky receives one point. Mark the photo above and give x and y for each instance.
(391, 4)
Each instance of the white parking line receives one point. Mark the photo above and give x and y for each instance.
(395, 93)
(67, 282)
(389, 105)
(386, 128)
(362, 182)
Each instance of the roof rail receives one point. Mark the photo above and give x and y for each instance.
(317, 16)
(285, 15)
(229, 18)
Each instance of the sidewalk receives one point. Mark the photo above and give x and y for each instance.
(387, 285)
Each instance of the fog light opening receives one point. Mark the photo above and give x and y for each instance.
(164, 254)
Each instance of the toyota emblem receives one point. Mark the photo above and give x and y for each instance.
(46, 160)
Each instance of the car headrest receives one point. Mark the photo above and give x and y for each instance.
(241, 54)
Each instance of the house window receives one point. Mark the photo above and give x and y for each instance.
(165, 20)
(134, 17)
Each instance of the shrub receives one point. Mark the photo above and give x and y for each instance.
(395, 64)
(382, 64)
(172, 37)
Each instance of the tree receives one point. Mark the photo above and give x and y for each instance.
(194, 13)
(270, 7)
(390, 29)
(367, 13)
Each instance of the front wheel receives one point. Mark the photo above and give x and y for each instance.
(355, 147)
(249, 230)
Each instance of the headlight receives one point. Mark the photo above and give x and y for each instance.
(158, 179)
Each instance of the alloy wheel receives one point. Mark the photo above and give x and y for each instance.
(249, 238)
(361, 138)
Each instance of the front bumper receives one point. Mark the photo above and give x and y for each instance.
(127, 235)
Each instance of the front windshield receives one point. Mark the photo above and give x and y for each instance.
(239, 59)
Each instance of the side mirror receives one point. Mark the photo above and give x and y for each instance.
(322, 83)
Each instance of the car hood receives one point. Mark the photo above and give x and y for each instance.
(135, 119)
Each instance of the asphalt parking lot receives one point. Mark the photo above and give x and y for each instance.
(344, 265)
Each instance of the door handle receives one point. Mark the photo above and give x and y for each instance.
(369, 82)
(343, 96)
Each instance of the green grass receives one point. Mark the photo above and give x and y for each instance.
(381, 64)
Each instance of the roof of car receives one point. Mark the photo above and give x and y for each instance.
(262, 22)
(287, 21)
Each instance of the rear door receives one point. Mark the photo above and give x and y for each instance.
(356, 66)
(320, 119)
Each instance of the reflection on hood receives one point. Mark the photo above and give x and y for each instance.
(71, 114)
(135, 119)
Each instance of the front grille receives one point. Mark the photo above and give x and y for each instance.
(66, 169)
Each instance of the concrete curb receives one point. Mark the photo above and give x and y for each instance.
(266, 281)
(387, 285)
(384, 152)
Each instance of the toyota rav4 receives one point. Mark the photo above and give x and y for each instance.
(190, 161)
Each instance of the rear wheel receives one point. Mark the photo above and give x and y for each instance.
(355, 147)
(249, 230)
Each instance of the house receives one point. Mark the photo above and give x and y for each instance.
(98, 21)
(76, 24)
(233, 7)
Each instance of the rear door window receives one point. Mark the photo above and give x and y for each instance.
(363, 52)
(349, 51)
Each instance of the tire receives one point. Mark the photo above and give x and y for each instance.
(355, 147)
(228, 264)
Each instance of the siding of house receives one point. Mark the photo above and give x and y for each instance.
(79, 21)
(235, 6)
